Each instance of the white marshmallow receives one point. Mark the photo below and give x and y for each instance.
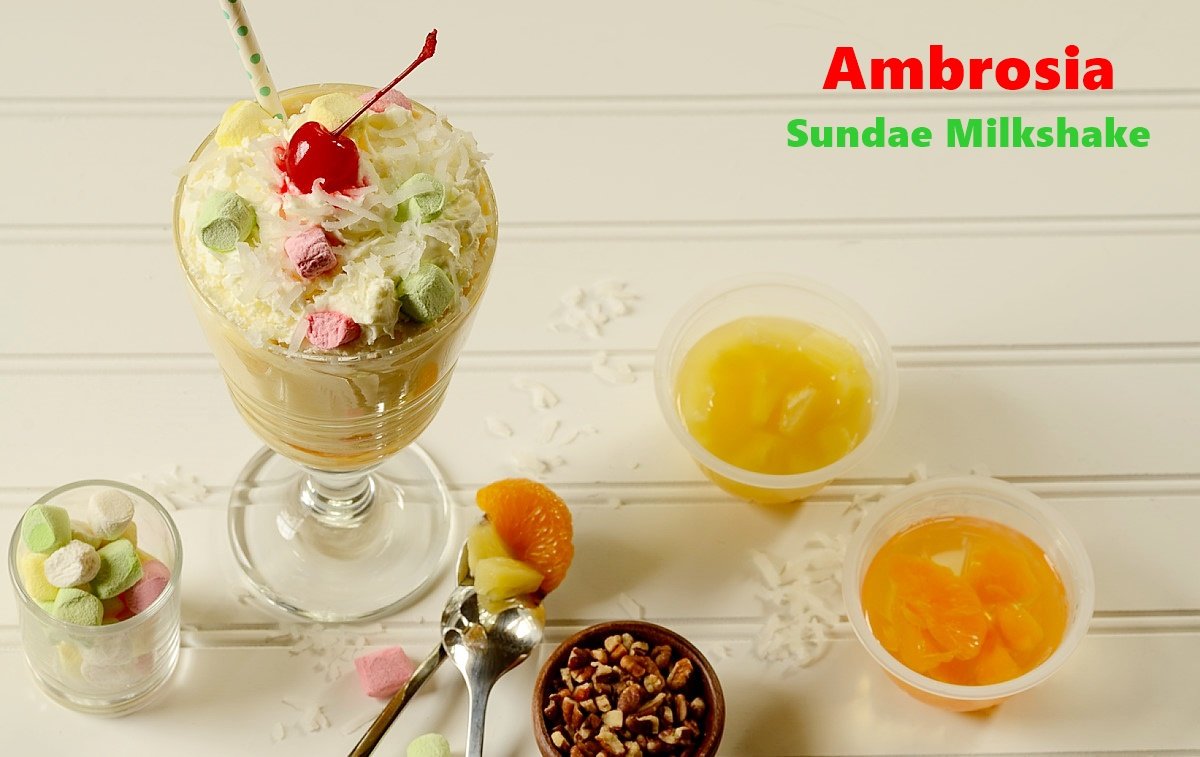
(74, 564)
(110, 512)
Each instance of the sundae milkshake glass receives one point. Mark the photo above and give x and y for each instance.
(337, 318)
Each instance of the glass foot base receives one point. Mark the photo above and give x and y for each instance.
(340, 569)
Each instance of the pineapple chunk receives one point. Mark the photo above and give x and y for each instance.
(498, 578)
(483, 542)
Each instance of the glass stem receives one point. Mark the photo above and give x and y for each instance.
(338, 498)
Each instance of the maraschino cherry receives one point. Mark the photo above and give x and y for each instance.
(315, 153)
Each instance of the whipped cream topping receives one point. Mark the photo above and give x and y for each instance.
(258, 288)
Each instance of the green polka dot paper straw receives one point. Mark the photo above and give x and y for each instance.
(252, 57)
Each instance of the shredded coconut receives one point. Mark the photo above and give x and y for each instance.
(540, 396)
(498, 427)
(802, 595)
(612, 371)
(175, 488)
(587, 310)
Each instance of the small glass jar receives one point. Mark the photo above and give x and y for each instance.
(111, 669)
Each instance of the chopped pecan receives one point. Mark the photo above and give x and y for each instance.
(681, 671)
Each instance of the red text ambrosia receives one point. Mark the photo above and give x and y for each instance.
(941, 72)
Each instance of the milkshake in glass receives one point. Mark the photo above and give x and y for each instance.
(337, 317)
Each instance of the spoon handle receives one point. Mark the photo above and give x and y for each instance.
(475, 715)
(371, 738)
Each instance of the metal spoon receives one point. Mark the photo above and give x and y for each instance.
(366, 745)
(509, 632)
(485, 643)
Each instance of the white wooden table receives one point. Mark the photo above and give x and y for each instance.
(1043, 305)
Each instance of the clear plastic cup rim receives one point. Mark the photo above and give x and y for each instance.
(879, 359)
(1083, 583)
(112, 628)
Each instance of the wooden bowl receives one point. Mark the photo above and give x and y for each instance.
(548, 680)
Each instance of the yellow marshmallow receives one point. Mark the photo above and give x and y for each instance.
(245, 119)
(332, 110)
(31, 566)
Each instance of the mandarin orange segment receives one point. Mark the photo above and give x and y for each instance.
(932, 598)
(1020, 629)
(534, 523)
(1000, 575)
(995, 664)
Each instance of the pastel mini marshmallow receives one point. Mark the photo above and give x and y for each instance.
(225, 219)
(83, 532)
(78, 606)
(244, 120)
(332, 110)
(422, 197)
(31, 567)
(426, 293)
(155, 577)
(115, 609)
(429, 745)
(120, 569)
(391, 98)
(45, 528)
(72, 565)
(382, 672)
(110, 511)
(310, 252)
(328, 329)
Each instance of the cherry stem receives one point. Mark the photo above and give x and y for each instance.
(426, 54)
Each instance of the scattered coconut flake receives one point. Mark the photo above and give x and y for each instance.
(717, 652)
(631, 607)
(540, 395)
(315, 719)
(528, 464)
(549, 428)
(498, 427)
(278, 733)
(174, 488)
(586, 310)
(612, 371)
(802, 596)
(918, 473)
(614, 502)
(979, 469)
(634, 465)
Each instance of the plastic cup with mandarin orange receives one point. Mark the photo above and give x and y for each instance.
(974, 498)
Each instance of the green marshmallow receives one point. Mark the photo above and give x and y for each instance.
(429, 745)
(225, 219)
(78, 607)
(47, 606)
(427, 200)
(119, 569)
(426, 293)
(45, 528)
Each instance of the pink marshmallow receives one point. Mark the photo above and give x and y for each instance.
(328, 329)
(384, 671)
(392, 97)
(310, 252)
(155, 577)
